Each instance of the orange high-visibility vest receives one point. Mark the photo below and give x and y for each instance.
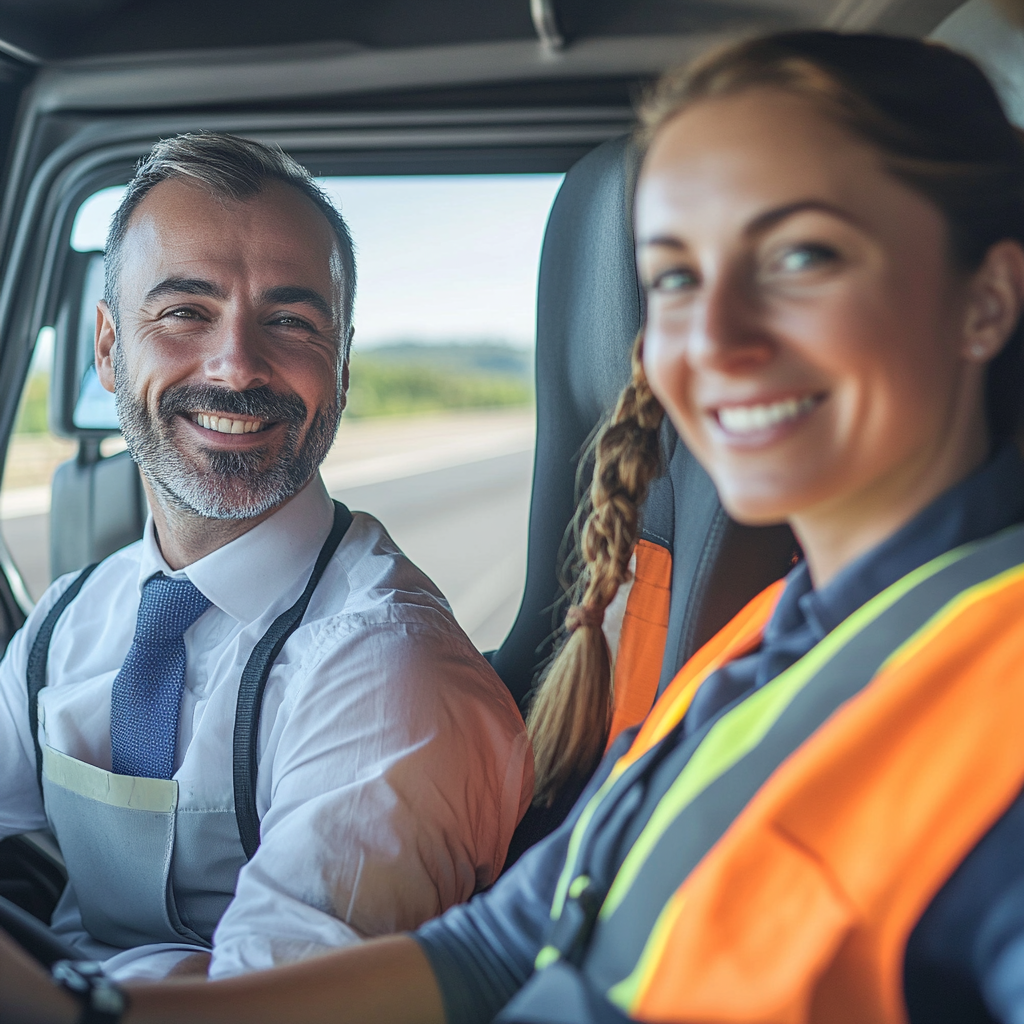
(784, 867)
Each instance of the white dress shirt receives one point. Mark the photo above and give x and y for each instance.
(393, 763)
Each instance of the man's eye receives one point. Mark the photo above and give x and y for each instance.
(675, 280)
(287, 320)
(184, 314)
(806, 257)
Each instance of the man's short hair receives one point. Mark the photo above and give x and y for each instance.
(231, 168)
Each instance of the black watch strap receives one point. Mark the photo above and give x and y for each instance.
(101, 1000)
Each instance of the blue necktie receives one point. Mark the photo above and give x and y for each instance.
(146, 696)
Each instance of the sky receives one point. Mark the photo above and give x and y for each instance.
(440, 258)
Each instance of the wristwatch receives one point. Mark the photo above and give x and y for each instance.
(101, 1000)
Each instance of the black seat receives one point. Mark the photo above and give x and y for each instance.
(589, 311)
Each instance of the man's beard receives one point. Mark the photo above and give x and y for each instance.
(232, 484)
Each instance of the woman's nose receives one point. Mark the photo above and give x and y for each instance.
(728, 329)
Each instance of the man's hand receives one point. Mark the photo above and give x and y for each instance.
(27, 993)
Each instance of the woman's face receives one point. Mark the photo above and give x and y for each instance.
(804, 326)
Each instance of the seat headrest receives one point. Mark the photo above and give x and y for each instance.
(588, 313)
(588, 297)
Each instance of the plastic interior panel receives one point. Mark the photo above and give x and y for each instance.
(97, 508)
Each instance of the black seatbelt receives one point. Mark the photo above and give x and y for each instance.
(250, 691)
(38, 657)
(254, 682)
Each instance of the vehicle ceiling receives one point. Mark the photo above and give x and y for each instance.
(42, 31)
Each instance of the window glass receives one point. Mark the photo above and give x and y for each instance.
(437, 439)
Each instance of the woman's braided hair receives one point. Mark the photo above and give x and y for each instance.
(570, 715)
(939, 127)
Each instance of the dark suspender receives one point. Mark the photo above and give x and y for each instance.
(250, 692)
(40, 655)
(254, 682)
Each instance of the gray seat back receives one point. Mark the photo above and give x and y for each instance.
(589, 310)
(98, 506)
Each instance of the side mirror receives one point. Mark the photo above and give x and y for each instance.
(79, 405)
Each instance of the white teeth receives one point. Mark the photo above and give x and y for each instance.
(223, 425)
(748, 419)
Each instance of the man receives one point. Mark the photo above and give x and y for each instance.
(381, 776)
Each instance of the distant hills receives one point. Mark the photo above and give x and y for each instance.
(487, 357)
(408, 376)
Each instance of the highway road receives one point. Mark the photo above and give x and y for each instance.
(464, 524)
(466, 527)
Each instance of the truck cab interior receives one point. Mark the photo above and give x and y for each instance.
(454, 87)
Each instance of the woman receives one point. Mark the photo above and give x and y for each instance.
(820, 820)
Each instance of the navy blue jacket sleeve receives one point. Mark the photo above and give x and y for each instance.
(482, 952)
(965, 957)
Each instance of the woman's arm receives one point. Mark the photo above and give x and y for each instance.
(382, 980)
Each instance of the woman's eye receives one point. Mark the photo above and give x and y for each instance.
(806, 257)
(675, 280)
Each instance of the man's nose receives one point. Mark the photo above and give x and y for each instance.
(729, 329)
(237, 357)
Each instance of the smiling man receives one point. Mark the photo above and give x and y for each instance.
(257, 733)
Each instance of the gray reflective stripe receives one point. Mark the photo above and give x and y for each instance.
(619, 939)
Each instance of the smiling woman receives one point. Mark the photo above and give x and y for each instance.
(816, 340)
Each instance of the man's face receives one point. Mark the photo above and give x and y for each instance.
(226, 364)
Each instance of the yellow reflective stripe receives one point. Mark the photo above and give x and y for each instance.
(625, 993)
(546, 957)
(738, 732)
(956, 607)
(575, 840)
(579, 884)
(681, 702)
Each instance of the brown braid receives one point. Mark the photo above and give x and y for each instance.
(569, 718)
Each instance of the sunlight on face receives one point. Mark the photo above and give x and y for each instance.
(804, 327)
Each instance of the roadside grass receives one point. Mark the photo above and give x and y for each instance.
(406, 377)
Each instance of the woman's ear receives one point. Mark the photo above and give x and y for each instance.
(995, 301)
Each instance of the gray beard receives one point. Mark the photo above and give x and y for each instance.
(231, 485)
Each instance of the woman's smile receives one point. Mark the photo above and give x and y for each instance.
(761, 422)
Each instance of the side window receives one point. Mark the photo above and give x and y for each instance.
(437, 437)
(32, 456)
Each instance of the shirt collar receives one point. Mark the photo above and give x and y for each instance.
(250, 574)
(987, 501)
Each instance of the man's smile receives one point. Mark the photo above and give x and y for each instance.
(229, 424)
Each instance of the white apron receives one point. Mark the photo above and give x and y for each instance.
(141, 869)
